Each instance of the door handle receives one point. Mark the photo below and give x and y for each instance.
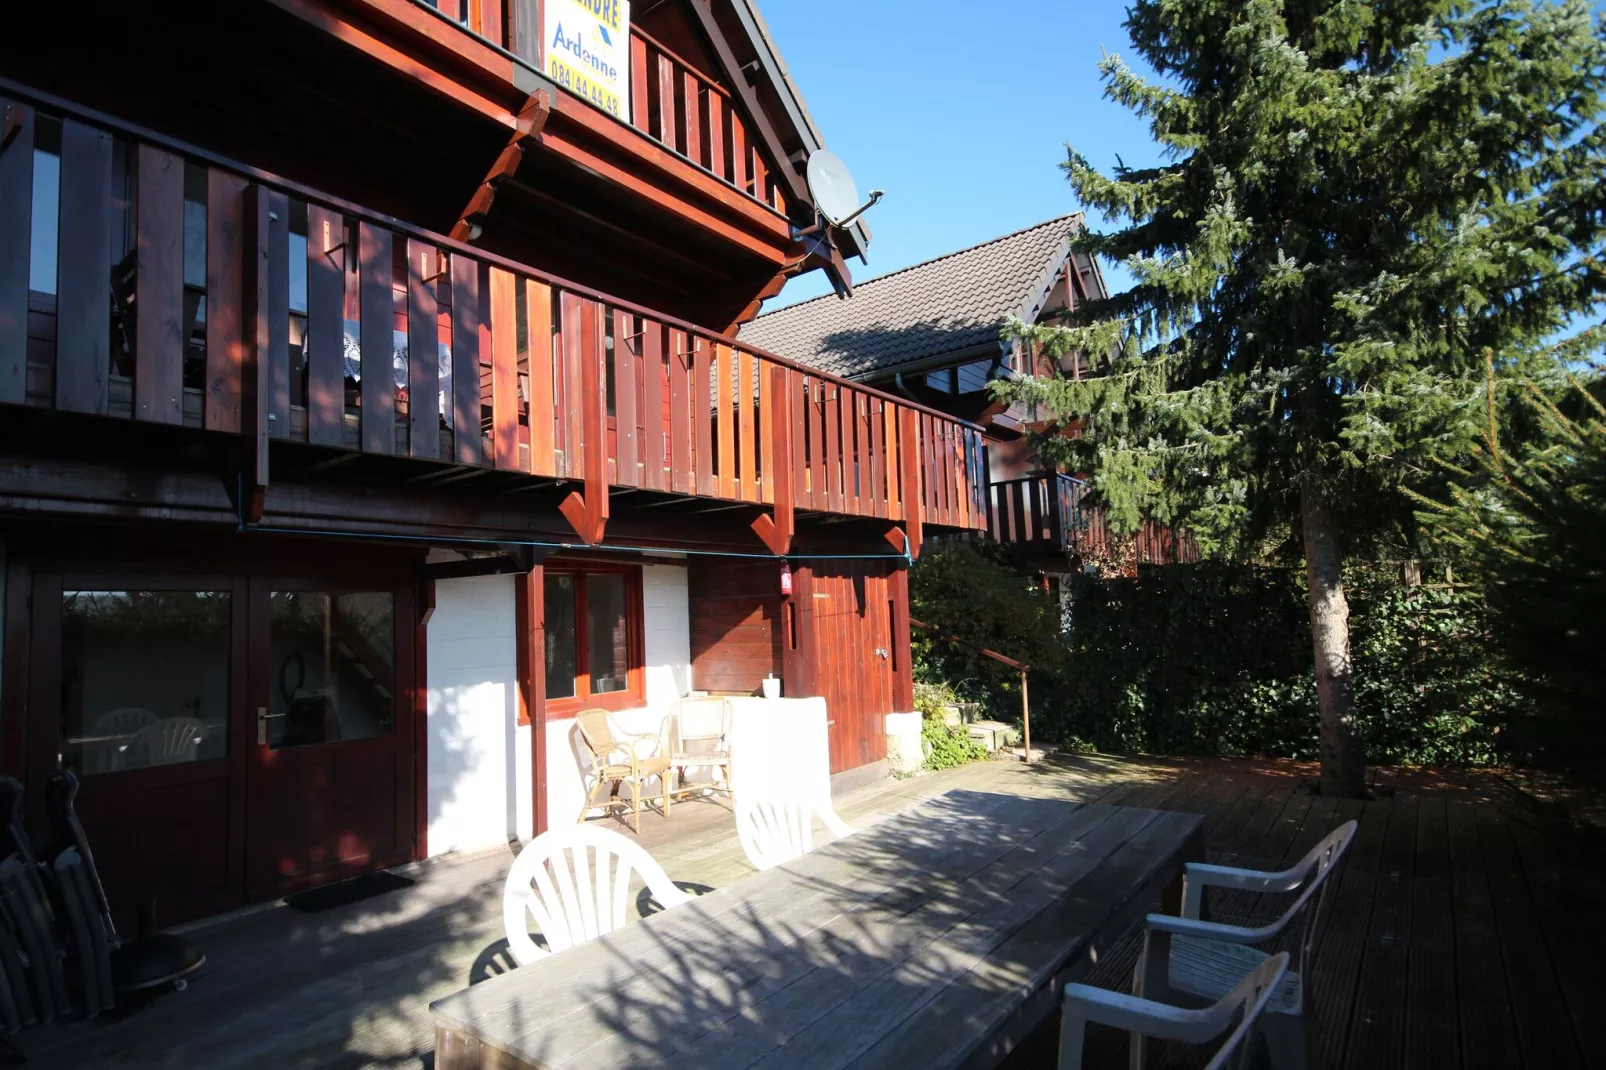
(263, 716)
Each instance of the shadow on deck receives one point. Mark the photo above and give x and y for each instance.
(1464, 931)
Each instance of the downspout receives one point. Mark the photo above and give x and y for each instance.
(897, 378)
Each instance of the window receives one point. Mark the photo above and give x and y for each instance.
(593, 637)
(145, 678)
(333, 667)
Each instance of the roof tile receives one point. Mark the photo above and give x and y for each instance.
(946, 305)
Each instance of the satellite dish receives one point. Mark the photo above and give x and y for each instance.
(835, 195)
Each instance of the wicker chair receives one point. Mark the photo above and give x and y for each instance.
(699, 738)
(615, 760)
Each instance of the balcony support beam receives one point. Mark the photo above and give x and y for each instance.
(778, 527)
(910, 458)
(526, 133)
(586, 509)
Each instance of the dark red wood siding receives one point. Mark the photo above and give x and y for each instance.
(735, 609)
(853, 625)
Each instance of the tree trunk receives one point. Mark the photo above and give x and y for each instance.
(1343, 763)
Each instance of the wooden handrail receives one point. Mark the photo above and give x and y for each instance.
(1004, 659)
(700, 404)
(291, 186)
(1018, 666)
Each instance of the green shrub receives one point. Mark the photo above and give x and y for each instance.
(948, 746)
(1215, 658)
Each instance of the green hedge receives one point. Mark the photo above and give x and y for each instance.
(1215, 659)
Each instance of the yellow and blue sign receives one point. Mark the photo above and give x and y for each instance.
(587, 44)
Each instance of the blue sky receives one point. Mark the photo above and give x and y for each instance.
(960, 111)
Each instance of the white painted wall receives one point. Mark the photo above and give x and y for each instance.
(479, 757)
(473, 707)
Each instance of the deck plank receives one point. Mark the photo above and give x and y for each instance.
(1488, 1034)
(357, 981)
(1544, 1028)
(1431, 1038)
(1568, 890)
(1377, 1027)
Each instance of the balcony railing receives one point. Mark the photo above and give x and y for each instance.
(1050, 513)
(160, 283)
(671, 101)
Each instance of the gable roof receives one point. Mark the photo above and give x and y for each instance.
(947, 305)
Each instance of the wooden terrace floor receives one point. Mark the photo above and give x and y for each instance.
(1467, 929)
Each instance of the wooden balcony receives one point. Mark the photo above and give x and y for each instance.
(671, 101)
(1050, 514)
(185, 289)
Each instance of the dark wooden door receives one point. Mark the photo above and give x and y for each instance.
(331, 777)
(853, 648)
(138, 686)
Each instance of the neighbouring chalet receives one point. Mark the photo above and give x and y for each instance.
(370, 404)
(932, 334)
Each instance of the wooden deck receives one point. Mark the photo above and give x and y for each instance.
(1465, 931)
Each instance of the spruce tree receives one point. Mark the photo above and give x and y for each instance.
(1529, 518)
(1355, 200)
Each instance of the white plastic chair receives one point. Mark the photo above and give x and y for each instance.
(1244, 1005)
(1188, 959)
(106, 755)
(575, 882)
(170, 740)
(773, 830)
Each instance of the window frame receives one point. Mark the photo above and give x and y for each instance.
(635, 691)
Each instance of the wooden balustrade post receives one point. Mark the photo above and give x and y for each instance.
(252, 492)
(776, 527)
(909, 456)
(1025, 717)
(529, 629)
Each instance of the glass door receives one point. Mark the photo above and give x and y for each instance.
(332, 749)
(139, 682)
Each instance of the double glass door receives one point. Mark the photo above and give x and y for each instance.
(236, 737)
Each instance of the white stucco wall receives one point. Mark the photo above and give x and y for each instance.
(479, 757)
(473, 707)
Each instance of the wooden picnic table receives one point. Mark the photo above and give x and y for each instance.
(937, 938)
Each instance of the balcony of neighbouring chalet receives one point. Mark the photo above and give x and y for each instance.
(687, 196)
(1049, 516)
(154, 294)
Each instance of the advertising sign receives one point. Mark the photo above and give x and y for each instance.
(588, 51)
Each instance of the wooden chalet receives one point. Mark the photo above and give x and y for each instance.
(370, 403)
(931, 334)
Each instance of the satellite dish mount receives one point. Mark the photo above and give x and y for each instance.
(835, 195)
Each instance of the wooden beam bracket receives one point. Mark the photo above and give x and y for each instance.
(579, 511)
(586, 509)
(777, 527)
(526, 132)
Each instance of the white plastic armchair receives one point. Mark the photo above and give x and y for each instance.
(777, 829)
(164, 742)
(575, 883)
(1190, 959)
(1239, 1010)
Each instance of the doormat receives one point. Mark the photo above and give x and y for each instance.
(340, 893)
